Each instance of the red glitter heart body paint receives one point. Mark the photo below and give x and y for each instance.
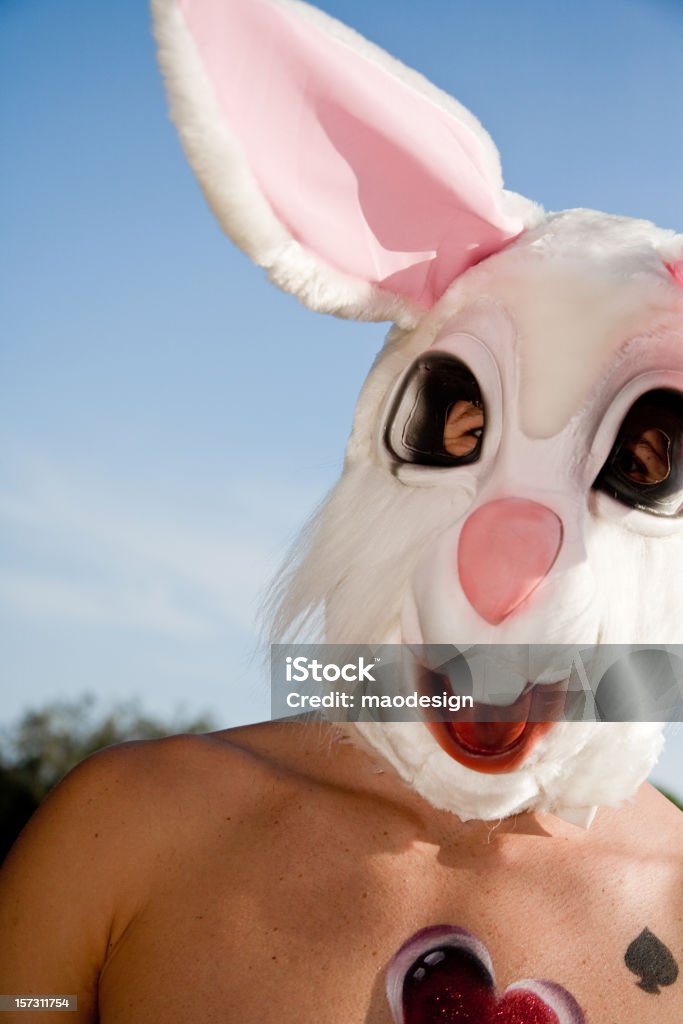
(444, 975)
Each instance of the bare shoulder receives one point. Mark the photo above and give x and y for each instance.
(122, 801)
(658, 835)
(74, 872)
(641, 846)
(109, 796)
(97, 821)
(135, 789)
(657, 822)
(648, 827)
(84, 864)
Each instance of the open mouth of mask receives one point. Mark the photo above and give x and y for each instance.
(497, 731)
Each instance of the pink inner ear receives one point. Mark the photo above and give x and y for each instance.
(362, 169)
(676, 271)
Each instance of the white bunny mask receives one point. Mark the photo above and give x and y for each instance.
(368, 193)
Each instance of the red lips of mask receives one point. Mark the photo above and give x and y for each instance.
(444, 975)
(492, 739)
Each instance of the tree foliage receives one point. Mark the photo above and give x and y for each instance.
(674, 799)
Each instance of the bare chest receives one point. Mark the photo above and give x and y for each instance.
(279, 931)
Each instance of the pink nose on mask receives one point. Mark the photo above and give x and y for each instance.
(507, 547)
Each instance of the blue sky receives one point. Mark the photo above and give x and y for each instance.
(168, 418)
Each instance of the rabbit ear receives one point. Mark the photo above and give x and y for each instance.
(363, 189)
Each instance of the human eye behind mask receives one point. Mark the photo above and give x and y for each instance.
(438, 417)
(644, 469)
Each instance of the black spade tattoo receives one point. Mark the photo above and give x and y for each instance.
(652, 961)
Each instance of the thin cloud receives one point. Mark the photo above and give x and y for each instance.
(129, 562)
(92, 604)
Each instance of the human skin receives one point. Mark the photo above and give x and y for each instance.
(463, 426)
(650, 453)
(268, 874)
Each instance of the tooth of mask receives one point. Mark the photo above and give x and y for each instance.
(499, 674)
(582, 817)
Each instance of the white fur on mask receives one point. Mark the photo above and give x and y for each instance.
(574, 768)
(378, 554)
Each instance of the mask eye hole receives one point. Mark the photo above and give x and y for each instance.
(644, 470)
(438, 417)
